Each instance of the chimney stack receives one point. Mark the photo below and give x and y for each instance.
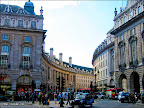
(60, 57)
(70, 61)
(51, 52)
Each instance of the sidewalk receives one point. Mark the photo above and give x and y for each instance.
(139, 102)
(52, 104)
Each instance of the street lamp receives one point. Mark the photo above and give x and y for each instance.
(95, 83)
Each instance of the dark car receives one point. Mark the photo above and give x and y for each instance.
(3, 98)
(86, 100)
(77, 99)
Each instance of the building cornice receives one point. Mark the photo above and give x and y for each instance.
(23, 29)
(62, 67)
(141, 15)
(101, 51)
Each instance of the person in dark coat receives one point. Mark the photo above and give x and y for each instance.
(68, 99)
(27, 97)
(40, 98)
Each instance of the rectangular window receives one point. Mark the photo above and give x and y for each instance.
(27, 39)
(118, 23)
(132, 32)
(103, 64)
(3, 60)
(5, 37)
(125, 19)
(121, 37)
(101, 74)
(106, 62)
(139, 9)
(26, 62)
(106, 72)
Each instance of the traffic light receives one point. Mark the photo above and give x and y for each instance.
(33, 85)
(91, 86)
(58, 82)
(62, 83)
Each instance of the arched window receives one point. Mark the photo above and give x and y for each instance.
(133, 44)
(122, 52)
(26, 58)
(4, 56)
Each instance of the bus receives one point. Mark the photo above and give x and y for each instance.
(85, 90)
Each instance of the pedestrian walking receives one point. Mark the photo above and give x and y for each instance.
(55, 98)
(27, 97)
(43, 99)
(68, 99)
(40, 98)
(33, 97)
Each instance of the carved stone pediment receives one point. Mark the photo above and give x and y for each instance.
(121, 43)
(132, 38)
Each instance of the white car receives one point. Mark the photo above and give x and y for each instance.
(101, 95)
(122, 95)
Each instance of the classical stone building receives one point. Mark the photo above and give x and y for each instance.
(76, 77)
(21, 37)
(103, 63)
(129, 46)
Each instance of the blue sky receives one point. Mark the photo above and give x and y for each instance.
(75, 28)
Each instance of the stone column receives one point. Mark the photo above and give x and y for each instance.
(139, 46)
(127, 51)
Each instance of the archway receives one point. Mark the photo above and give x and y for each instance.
(123, 82)
(134, 83)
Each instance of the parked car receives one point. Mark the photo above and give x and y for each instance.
(123, 96)
(101, 95)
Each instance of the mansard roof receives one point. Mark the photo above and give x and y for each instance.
(13, 9)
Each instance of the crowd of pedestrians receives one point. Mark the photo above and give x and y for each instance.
(44, 99)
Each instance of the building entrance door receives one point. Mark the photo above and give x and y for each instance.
(134, 83)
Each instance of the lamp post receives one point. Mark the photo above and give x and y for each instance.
(95, 83)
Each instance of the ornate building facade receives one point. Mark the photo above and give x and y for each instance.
(103, 63)
(76, 77)
(129, 46)
(21, 37)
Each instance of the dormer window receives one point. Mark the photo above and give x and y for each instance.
(125, 19)
(33, 24)
(7, 22)
(5, 37)
(121, 37)
(20, 23)
(118, 23)
(139, 9)
(27, 39)
(132, 32)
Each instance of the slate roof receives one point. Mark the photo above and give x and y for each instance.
(13, 9)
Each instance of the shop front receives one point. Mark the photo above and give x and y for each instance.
(5, 84)
(24, 85)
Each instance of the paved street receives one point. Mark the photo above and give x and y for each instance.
(105, 103)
